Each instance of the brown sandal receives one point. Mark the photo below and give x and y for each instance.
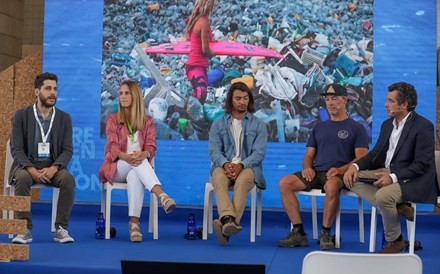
(135, 232)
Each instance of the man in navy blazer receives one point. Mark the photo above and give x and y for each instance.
(401, 165)
(41, 145)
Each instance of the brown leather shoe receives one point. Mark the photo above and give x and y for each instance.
(217, 226)
(230, 227)
(406, 210)
(394, 247)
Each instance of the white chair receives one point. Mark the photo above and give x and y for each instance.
(324, 262)
(410, 226)
(256, 211)
(106, 200)
(10, 190)
(318, 193)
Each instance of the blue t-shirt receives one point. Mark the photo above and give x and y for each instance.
(335, 142)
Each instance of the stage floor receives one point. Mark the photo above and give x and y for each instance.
(88, 255)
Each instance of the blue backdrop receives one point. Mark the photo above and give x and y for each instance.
(404, 50)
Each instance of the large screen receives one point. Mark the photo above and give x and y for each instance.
(93, 49)
(321, 42)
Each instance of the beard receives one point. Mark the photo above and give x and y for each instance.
(45, 103)
(241, 109)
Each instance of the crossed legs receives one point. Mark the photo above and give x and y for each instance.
(230, 211)
(138, 179)
(385, 199)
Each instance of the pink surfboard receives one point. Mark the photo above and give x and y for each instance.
(218, 48)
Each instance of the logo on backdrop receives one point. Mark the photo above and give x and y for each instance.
(84, 151)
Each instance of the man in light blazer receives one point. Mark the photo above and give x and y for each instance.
(41, 145)
(400, 167)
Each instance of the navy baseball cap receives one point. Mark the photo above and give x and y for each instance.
(335, 89)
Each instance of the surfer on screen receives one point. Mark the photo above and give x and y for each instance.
(198, 31)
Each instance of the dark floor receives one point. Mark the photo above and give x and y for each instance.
(88, 255)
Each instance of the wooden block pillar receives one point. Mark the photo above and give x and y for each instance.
(17, 91)
(9, 252)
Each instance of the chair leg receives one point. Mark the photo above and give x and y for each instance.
(150, 215)
(153, 223)
(338, 229)
(103, 199)
(207, 211)
(156, 221)
(211, 210)
(108, 202)
(10, 212)
(253, 213)
(7, 214)
(361, 220)
(5, 193)
(314, 218)
(259, 211)
(373, 227)
(411, 230)
(55, 196)
(103, 208)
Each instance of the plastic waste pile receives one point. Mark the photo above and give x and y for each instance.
(322, 41)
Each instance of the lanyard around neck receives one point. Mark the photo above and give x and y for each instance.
(44, 136)
(130, 130)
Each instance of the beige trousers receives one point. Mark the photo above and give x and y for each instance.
(384, 199)
(244, 183)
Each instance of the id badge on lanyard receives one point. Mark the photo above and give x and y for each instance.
(44, 146)
(43, 150)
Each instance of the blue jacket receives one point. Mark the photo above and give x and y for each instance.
(413, 160)
(221, 145)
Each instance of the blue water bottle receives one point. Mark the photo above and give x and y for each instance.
(100, 226)
(191, 233)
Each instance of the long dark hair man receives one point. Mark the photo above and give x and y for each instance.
(237, 145)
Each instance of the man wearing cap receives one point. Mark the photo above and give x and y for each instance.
(331, 147)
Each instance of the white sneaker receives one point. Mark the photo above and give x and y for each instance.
(23, 238)
(62, 236)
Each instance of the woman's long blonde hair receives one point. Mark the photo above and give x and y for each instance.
(137, 113)
(201, 8)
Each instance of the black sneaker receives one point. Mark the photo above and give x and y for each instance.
(294, 239)
(326, 241)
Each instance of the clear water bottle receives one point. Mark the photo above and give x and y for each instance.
(191, 233)
(100, 226)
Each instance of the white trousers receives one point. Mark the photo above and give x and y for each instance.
(138, 179)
